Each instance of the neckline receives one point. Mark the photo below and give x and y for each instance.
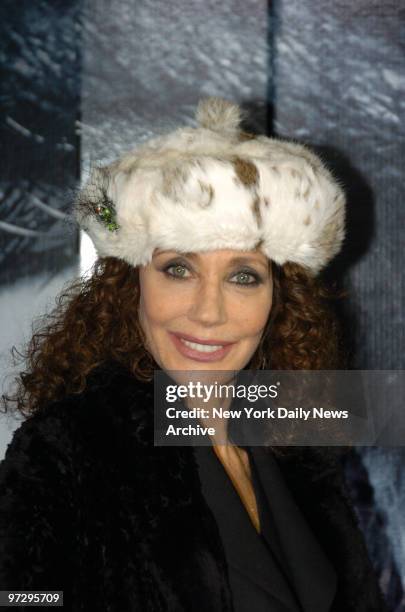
(252, 510)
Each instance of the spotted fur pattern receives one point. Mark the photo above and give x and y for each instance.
(214, 187)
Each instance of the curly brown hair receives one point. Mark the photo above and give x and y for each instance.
(96, 319)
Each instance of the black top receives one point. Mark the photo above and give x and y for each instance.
(282, 569)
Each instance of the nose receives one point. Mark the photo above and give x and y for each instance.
(208, 304)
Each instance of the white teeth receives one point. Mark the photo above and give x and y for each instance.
(203, 348)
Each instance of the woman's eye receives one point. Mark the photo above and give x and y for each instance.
(244, 278)
(179, 270)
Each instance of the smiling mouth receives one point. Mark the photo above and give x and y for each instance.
(198, 351)
(203, 348)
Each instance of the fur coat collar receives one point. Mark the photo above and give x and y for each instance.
(130, 518)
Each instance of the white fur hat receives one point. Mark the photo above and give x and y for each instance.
(215, 187)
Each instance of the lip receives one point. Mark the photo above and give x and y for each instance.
(199, 340)
(196, 355)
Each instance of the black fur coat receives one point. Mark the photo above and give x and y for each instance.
(90, 506)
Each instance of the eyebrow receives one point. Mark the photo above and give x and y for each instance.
(239, 260)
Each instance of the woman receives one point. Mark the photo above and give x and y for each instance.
(205, 236)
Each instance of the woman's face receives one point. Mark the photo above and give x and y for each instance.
(221, 297)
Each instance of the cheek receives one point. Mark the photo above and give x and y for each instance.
(252, 315)
(156, 304)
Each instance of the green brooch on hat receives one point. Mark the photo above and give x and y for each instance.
(106, 213)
